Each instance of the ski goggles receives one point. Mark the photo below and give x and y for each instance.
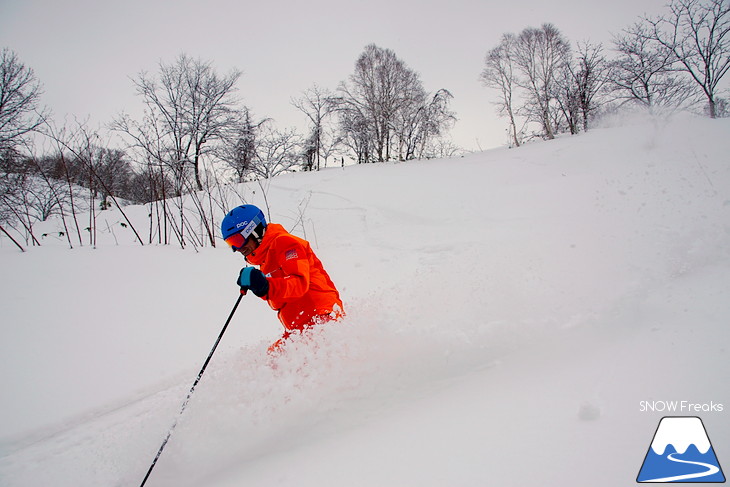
(236, 241)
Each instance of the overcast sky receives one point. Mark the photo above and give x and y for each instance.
(84, 52)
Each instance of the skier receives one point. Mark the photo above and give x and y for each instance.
(291, 278)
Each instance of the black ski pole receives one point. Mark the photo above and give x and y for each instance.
(187, 399)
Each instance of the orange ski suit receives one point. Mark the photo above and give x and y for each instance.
(300, 290)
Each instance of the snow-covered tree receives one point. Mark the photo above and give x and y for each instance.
(644, 71)
(697, 33)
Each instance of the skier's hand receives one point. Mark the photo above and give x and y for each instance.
(253, 279)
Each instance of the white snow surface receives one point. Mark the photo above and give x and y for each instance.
(507, 312)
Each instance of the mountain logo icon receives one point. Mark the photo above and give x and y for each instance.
(681, 452)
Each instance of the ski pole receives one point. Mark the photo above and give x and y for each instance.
(187, 399)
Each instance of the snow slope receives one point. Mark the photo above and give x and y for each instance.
(507, 314)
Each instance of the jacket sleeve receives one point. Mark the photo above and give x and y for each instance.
(293, 281)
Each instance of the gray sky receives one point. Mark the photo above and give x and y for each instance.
(84, 52)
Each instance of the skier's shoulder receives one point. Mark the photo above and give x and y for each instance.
(280, 238)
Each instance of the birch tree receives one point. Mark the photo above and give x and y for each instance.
(540, 55)
(385, 113)
(499, 74)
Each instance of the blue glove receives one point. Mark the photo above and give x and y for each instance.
(253, 279)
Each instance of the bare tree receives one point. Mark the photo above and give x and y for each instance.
(317, 104)
(499, 73)
(86, 154)
(643, 73)
(16, 202)
(385, 112)
(567, 99)
(239, 150)
(378, 89)
(190, 111)
(20, 93)
(580, 85)
(540, 55)
(277, 152)
(375, 92)
(189, 107)
(331, 143)
(591, 75)
(356, 131)
(697, 33)
(426, 119)
(109, 174)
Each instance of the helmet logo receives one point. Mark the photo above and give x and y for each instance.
(248, 227)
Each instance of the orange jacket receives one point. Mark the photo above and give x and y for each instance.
(299, 287)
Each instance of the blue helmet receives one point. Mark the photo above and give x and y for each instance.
(245, 219)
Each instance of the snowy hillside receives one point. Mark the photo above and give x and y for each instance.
(508, 312)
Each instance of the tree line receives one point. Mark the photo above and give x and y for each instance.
(195, 137)
(673, 61)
